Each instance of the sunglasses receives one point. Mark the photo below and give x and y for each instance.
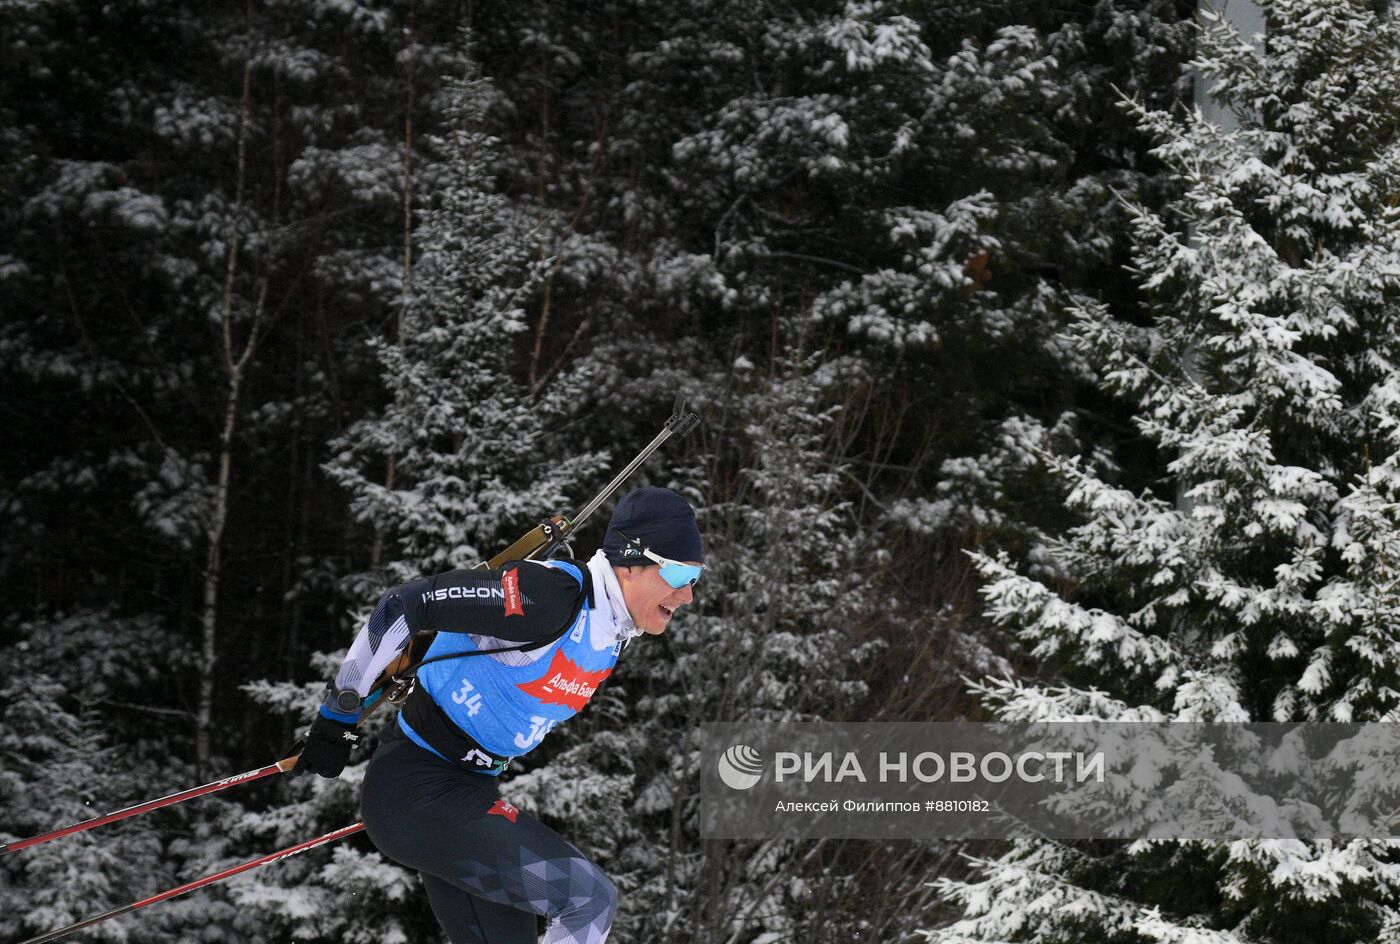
(676, 573)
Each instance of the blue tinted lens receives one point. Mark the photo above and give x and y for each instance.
(680, 575)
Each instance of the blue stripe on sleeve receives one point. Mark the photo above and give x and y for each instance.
(343, 717)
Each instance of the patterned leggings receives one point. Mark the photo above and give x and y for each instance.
(488, 867)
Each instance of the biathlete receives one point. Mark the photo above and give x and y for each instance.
(431, 797)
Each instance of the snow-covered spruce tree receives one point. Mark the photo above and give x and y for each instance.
(180, 181)
(1255, 580)
(172, 172)
(931, 173)
(933, 181)
(77, 739)
(467, 439)
(935, 176)
(779, 637)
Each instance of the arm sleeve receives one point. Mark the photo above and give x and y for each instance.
(523, 601)
(380, 640)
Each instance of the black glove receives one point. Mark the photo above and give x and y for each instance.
(327, 749)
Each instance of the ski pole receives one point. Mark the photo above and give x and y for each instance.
(198, 883)
(282, 766)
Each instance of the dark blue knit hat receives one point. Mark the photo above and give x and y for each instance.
(656, 519)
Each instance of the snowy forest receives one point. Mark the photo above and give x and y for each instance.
(1047, 354)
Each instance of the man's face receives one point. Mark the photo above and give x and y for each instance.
(651, 600)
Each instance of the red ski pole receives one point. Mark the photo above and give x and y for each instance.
(282, 766)
(198, 883)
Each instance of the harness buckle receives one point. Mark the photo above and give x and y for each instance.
(401, 688)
